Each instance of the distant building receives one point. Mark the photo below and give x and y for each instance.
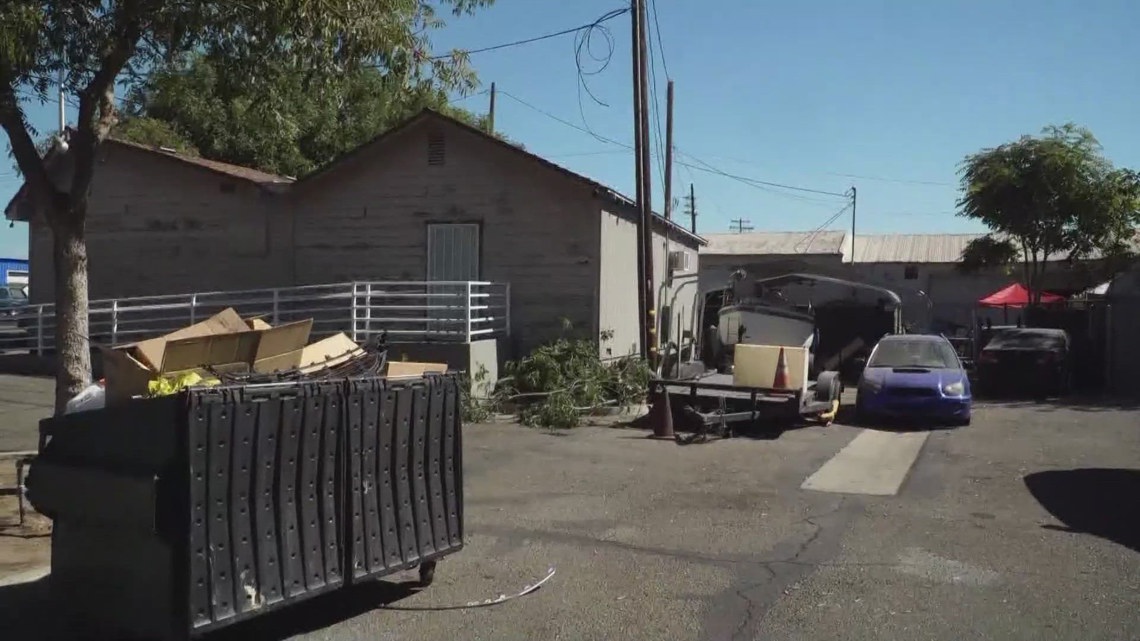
(921, 268)
(13, 271)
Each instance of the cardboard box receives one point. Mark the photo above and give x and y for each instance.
(397, 369)
(328, 352)
(223, 342)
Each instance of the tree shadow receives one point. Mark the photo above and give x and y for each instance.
(1097, 501)
(28, 613)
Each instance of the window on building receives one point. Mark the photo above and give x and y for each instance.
(910, 272)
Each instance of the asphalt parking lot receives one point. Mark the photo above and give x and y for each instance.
(1024, 525)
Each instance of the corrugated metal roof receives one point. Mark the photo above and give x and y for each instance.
(910, 248)
(776, 243)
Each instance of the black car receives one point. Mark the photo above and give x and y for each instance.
(1032, 360)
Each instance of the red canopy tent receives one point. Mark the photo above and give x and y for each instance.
(1016, 296)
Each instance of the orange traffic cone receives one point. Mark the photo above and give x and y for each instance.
(781, 380)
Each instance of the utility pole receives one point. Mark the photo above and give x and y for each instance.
(669, 152)
(692, 205)
(491, 112)
(644, 181)
(741, 225)
(853, 193)
(62, 105)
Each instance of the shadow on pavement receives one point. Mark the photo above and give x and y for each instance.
(28, 613)
(1096, 501)
(1077, 403)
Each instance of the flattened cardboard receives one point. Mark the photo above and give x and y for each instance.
(283, 339)
(257, 323)
(408, 368)
(327, 352)
(150, 351)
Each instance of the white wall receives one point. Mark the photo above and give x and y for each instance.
(617, 286)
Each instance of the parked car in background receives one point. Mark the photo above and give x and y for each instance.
(914, 376)
(1034, 360)
(13, 299)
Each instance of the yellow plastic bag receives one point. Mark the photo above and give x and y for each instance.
(167, 385)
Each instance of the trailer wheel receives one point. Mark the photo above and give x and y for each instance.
(828, 387)
(427, 573)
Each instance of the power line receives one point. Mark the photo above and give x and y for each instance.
(660, 42)
(904, 181)
(557, 34)
(703, 166)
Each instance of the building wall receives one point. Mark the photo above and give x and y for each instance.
(159, 226)
(617, 285)
(540, 231)
(13, 271)
(676, 293)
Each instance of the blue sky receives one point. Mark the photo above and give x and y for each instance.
(887, 96)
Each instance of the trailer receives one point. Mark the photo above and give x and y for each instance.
(759, 365)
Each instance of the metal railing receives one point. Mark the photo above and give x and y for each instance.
(437, 311)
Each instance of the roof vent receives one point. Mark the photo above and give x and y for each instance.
(436, 149)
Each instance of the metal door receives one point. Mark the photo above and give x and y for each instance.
(452, 260)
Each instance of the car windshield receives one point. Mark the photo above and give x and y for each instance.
(914, 353)
(1026, 339)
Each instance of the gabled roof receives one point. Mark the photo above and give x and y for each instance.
(427, 114)
(248, 174)
(54, 156)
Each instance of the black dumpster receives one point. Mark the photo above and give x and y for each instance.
(179, 515)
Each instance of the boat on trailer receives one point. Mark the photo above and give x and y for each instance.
(759, 363)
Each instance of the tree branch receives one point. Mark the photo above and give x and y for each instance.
(97, 100)
(14, 123)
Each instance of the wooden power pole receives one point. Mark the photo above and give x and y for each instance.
(668, 187)
(491, 112)
(647, 308)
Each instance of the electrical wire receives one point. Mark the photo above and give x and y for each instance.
(657, 28)
(565, 32)
(583, 48)
(809, 238)
(763, 185)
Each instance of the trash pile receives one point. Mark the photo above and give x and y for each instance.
(226, 349)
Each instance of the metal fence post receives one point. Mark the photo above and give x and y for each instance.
(467, 314)
(193, 309)
(367, 310)
(355, 336)
(507, 305)
(115, 322)
(40, 330)
(276, 305)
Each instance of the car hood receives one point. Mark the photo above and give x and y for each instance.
(912, 376)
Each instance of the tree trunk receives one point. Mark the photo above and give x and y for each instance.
(73, 351)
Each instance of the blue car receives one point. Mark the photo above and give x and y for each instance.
(917, 377)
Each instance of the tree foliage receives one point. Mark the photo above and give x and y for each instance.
(988, 253)
(284, 124)
(99, 44)
(1047, 196)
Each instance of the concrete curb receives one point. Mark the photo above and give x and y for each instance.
(29, 576)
